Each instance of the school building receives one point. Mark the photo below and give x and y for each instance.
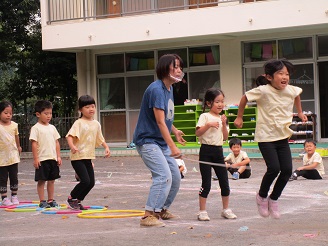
(223, 43)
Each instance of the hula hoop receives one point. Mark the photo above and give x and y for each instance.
(24, 202)
(124, 214)
(70, 211)
(28, 208)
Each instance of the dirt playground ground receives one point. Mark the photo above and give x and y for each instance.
(122, 183)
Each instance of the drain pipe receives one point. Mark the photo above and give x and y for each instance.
(88, 72)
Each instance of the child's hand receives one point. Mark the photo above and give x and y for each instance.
(36, 164)
(74, 149)
(59, 161)
(224, 120)
(227, 165)
(214, 124)
(20, 149)
(303, 117)
(107, 152)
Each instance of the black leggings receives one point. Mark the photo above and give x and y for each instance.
(211, 153)
(308, 174)
(12, 172)
(84, 170)
(278, 159)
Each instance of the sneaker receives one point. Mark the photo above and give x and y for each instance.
(273, 208)
(151, 221)
(235, 175)
(44, 204)
(81, 207)
(262, 205)
(14, 200)
(228, 214)
(293, 177)
(203, 216)
(73, 204)
(215, 177)
(6, 202)
(53, 204)
(167, 215)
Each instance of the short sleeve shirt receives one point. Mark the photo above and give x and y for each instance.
(9, 153)
(159, 97)
(87, 136)
(314, 158)
(46, 137)
(212, 136)
(274, 111)
(237, 159)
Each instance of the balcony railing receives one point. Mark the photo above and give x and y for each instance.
(64, 10)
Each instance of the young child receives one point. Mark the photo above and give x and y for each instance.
(83, 137)
(312, 163)
(238, 162)
(9, 154)
(46, 153)
(275, 103)
(212, 131)
(182, 167)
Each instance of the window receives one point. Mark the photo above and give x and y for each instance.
(199, 82)
(322, 45)
(298, 48)
(140, 61)
(136, 87)
(112, 93)
(107, 64)
(200, 56)
(260, 51)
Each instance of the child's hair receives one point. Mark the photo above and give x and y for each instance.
(309, 141)
(41, 105)
(163, 65)
(84, 101)
(234, 141)
(210, 95)
(261, 80)
(5, 104)
(272, 66)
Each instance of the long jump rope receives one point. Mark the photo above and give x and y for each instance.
(204, 162)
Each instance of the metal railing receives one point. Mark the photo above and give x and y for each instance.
(67, 10)
(62, 124)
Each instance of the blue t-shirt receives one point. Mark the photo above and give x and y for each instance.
(147, 130)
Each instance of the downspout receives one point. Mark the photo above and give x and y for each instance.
(88, 72)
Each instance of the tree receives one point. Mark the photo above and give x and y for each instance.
(27, 72)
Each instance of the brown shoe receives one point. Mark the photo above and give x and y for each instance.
(151, 221)
(167, 215)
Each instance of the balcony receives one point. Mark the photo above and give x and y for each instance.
(83, 10)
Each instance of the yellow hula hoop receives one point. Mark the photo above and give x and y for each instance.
(124, 214)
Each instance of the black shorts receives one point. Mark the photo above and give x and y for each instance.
(48, 170)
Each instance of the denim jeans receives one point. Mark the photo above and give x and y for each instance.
(278, 159)
(165, 176)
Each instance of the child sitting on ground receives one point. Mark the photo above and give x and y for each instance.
(238, 162)
(312, 163)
